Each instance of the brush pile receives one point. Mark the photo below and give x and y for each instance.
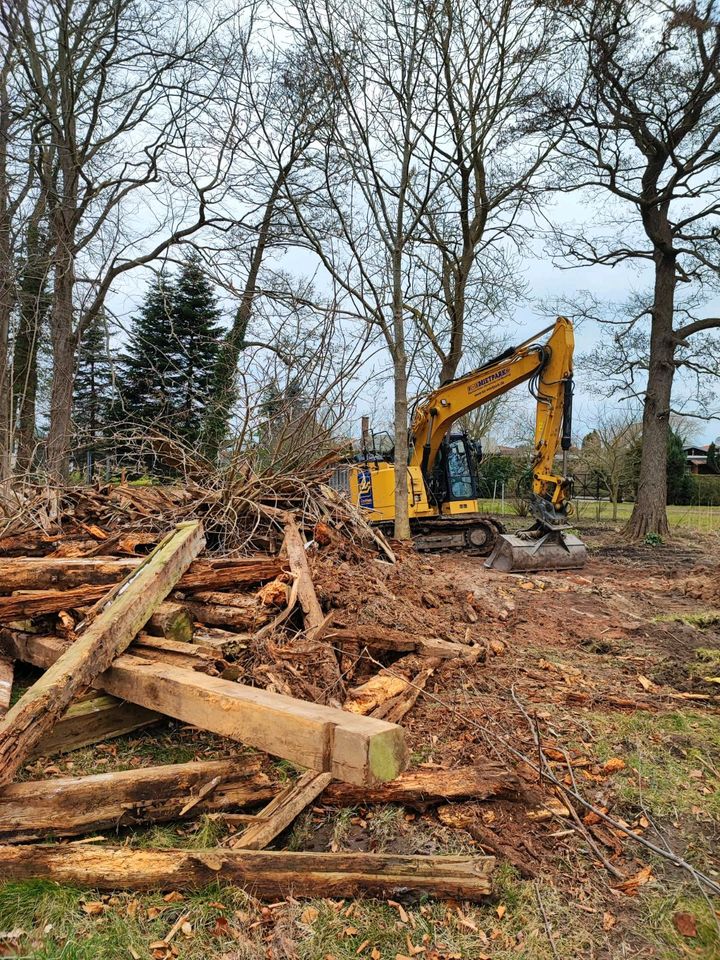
(270, 614)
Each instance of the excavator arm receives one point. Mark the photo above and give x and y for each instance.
(549, 369)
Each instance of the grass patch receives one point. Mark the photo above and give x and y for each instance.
(660, 910)
(702, 620)
(592, 511)
(671, 758)
(707, 662)
(55, 923)
(509, 926)
(226, 923)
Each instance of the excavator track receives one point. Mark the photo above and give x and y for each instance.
(476, 534)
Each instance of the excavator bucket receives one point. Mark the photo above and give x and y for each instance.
(515, 553)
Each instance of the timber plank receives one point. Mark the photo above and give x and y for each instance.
(53, 573)
(93, 719)
(357, 749)
(282, 810)
(263, 873)
(71, 806)
(115, 624)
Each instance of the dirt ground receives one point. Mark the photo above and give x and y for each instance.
(606, 679)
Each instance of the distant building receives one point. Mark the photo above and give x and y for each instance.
(697, 458)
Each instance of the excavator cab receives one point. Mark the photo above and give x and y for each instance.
(455, 474)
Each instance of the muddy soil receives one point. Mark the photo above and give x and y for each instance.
(549, 652)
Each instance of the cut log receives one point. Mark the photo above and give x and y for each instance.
(281, 811)
(23, 606)
(72, 806)
(93, 719)
(394, 710)
(248, 617)
(426, 788)
(193, 656)
(171, 620)
(326, 664)
(392, 687)
(128, 608)
(268, 874)
(384, 638)
(7, 674)
(353, 748)
(47, 573)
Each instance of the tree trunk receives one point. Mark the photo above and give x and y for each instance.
(33, 304)
(6, 289)
(64, 344)
(402, 517)
(649, 513)
(218, 417)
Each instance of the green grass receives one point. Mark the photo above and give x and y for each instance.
(226, 923)
(664, 754)
(57, 928)
(703, 519)
(660, 908)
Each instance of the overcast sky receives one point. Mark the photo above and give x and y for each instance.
(545, 281)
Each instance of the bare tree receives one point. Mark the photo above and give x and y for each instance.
(275, 103)
(113, 88)
(642, 109)
(605, 450)
(361, 218)
(494, 64)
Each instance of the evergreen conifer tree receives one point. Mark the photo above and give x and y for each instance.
(149, 365)
(93, 395)
(198, 335)
(713, 458)
(169, 367)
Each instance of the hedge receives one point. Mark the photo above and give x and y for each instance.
(706, 489)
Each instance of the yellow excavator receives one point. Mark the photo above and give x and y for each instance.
(442, 466)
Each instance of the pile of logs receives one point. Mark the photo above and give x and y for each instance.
(225, 644)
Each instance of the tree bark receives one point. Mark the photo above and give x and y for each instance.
(402, 513)
(33, 303)
(265, 874)
(6, 286)
(649, 513)
(72, 806)
(127, 610)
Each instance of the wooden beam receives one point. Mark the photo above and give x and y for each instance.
(194, 656)
(281, 811)
(113, 628)
(57, 573)
(326, 664)
(7, 674)
(426, 787)
(72, 806)
(93, 718)
(173, 621)
(397, 641)
(269, 874)
(357, 749)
